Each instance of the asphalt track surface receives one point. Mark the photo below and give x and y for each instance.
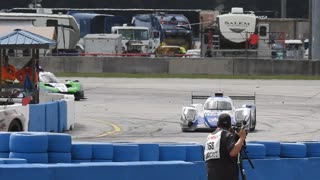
(148, 110)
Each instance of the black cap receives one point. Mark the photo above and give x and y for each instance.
(224, 121)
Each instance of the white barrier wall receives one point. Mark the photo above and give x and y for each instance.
(70, 111)
(49, 97)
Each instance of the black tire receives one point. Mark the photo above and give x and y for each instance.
(253, 126)
(79, 95)
(254, 122)
(186, 130)
(15, 126)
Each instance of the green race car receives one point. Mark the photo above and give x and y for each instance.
(48, 82)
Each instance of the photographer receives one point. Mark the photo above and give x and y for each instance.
(222, 149)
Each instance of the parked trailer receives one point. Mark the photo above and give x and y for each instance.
(66, 33)
(103, 44)
(94, 23)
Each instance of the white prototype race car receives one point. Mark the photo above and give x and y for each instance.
(204, 117)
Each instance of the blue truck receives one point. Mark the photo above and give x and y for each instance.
(175, 29)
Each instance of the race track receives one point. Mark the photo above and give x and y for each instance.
(148, 110)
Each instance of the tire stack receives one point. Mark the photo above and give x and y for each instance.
(81, 152)
(4, 144)
(102, 152)
(172, 152)
(13, 161)
(293, 150)
(313, 148)
(254, 151)
(126, 152)
(272, 148)
(30, 146)
(59, 148)
(149, 152)
(195, 152)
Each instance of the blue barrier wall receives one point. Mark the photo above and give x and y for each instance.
(110, 170)
(52, 117)
(283, 169)
(48, 117)
(37, 116)
(62, 118)
(60, 159)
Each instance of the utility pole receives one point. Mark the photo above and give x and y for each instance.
(315, 30)
(310, 31)
(283, 8)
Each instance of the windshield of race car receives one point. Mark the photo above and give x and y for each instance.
(48, 78)
(217, 105)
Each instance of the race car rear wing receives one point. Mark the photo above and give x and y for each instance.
(252, 98)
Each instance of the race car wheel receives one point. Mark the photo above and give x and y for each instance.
(186, 130)
(15, 126)
(253, 120)
(253, 127)
(79, 95)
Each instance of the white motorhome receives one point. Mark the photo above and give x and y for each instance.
(233, 32)
(66, 30)
(236, 25)
(137, 39)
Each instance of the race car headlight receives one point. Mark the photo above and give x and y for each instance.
(190, 114)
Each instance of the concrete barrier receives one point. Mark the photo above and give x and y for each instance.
(225, 66)
(176, 65)
(200, 66)
(252, 67)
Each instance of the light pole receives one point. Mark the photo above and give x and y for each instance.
(315, 36)
(310, 31)
(283, 8)
(35, 4)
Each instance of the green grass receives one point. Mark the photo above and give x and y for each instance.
(189, 76)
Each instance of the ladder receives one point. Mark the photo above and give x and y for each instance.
(215, 41)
